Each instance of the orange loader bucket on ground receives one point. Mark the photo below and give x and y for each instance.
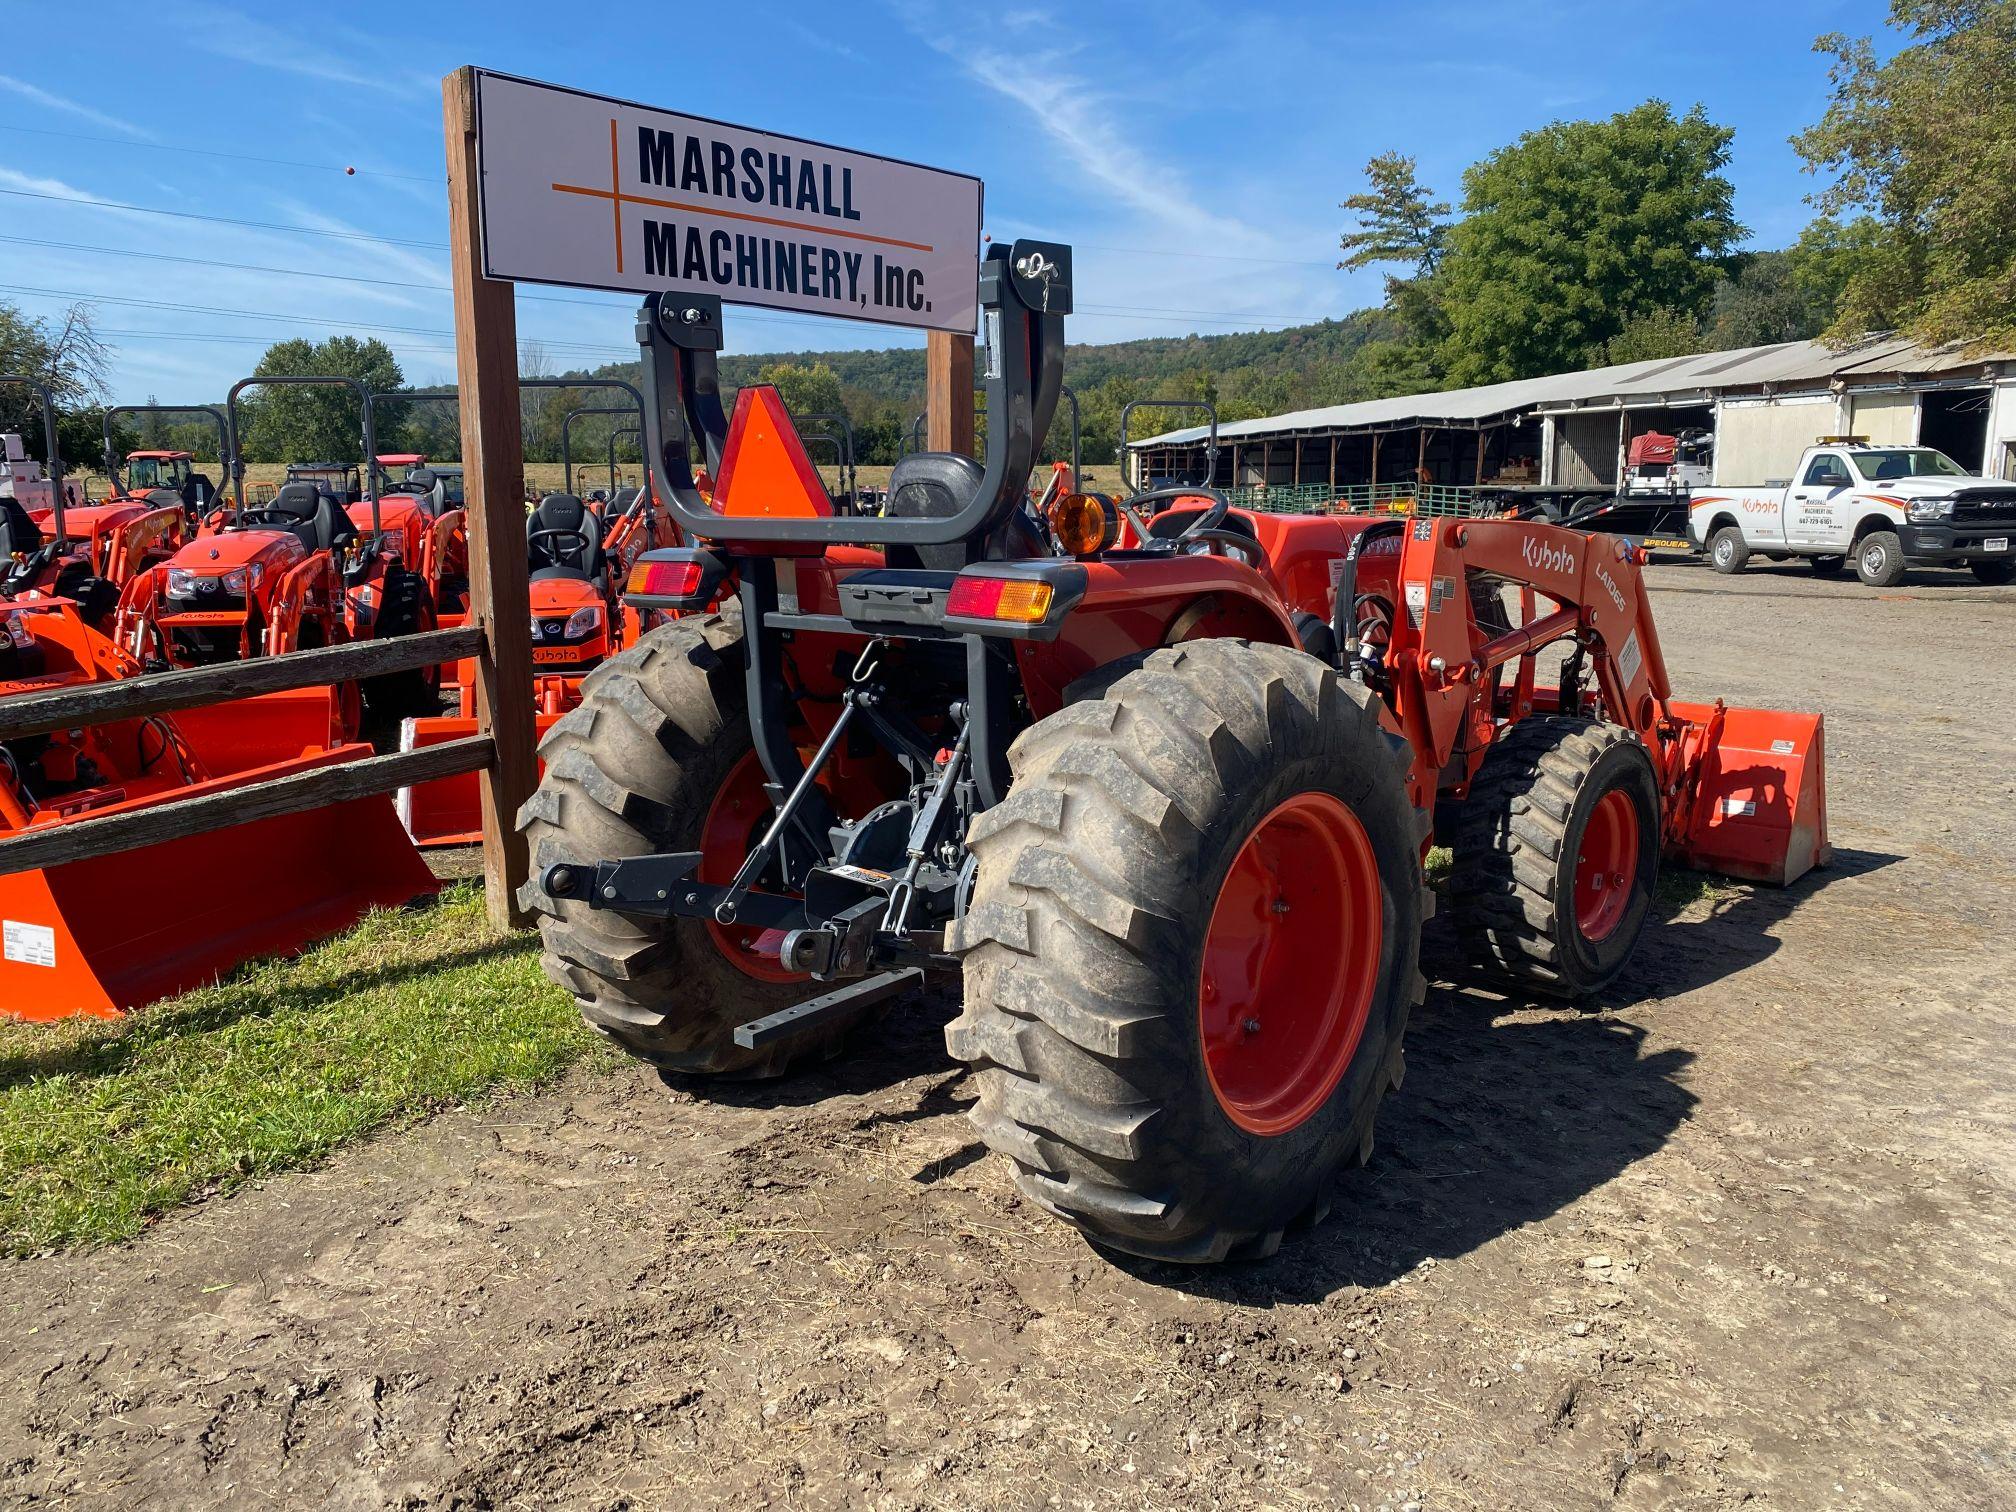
(117, 932)
(1760, 793)
(448, 810)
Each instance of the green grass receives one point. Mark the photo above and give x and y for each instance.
(104, 1125)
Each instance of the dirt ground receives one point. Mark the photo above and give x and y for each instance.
(1744, 1235)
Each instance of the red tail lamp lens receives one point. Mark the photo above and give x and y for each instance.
(1015, 600)
(665, 579)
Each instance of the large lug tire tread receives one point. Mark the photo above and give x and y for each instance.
(1889, 570)
(1512, 845)
(1081, 947)
(630, 771)
(1727, 550)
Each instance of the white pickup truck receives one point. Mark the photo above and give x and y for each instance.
(1881, 507)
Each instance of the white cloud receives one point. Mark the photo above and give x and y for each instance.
(36, 95)
(232, 34)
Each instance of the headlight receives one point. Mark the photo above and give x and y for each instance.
(236, 581)
(181, 582)
(537, 633)
(583, 621)
(16, 631)
(1921, 510)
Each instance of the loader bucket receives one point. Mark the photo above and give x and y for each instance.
(112, 933)
(1760, 805)
(255, 732)
(448, 810)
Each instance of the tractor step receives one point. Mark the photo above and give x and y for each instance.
(820, 1012)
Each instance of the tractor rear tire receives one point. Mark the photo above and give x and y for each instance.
(1727, 550)
(636, 768)
(1131, 925)
(1879, 559)
(1558, 812)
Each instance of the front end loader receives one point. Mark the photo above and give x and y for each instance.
(1158, 803)
(106, 934)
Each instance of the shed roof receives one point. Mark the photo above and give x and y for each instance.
(1794, 364)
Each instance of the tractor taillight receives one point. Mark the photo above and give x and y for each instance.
(672, 580)
(1013, 601)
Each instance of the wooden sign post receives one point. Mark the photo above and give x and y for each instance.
(948, 392)
(493, 470)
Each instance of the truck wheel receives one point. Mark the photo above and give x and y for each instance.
(1826, 566)
(1879, 559)
(658, 757)
(1555, 854)
(1191, 949)
(1994, 571)
(1727, 550)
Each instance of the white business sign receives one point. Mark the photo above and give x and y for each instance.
(600, 193)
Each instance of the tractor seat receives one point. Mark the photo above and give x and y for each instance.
(623, 499)
(312, 515)
(19, 535)
(562, 556)
(938, 485)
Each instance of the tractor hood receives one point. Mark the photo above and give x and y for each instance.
(229, 550)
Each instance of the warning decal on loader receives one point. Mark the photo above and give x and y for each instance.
(27, 944)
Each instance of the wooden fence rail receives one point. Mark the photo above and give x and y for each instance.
(177, 819)
(193, 687)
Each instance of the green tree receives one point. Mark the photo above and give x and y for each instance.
(294, 423)
(1926, 143)
(68, 354)
(1397, 223)
(806, 389)
(1656, 333)
(1577, 229)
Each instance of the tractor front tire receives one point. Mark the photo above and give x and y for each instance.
(1727, 550)
(1191, 949)
(1555, 855)
(641, 766)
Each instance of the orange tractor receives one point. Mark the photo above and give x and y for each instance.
(1161, 811)
(320, 563)
(56, 542)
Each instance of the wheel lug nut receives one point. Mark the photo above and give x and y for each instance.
(1251, 1026)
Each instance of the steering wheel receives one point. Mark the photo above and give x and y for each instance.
(583, 541)
(274, 518)
(1212, 517)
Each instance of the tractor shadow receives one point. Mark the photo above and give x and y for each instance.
(1515, 1107)
(1705, 928)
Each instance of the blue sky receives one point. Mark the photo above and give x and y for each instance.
(1192, 154)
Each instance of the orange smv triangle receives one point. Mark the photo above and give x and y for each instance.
(765, 473)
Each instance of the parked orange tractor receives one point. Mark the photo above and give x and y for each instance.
(1161, 810)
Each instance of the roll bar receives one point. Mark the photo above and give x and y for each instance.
(567, 441)
(112, 450)
(53, 463)
(1077, 473)
(1025, 293)
(841, 441)
(324, 380)
(636, 430)
(453, 396)
(1210, 477)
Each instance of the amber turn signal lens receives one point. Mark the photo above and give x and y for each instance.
(1085, 524)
